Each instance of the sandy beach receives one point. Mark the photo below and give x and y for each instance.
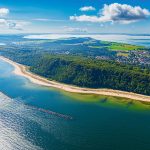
(22, 70)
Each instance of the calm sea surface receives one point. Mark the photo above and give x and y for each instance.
(38, 118)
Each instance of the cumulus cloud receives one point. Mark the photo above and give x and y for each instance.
(121, 13)
(85, 18)
(16, 24)
(10, 24)
(13, 24)
(87, 8)
(4, 12)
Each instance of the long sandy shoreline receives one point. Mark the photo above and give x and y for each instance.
(22, 70)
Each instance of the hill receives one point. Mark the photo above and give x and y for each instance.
(92, 73)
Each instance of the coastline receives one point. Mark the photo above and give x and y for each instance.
(22, 70)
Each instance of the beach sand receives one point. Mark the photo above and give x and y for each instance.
(22, 70)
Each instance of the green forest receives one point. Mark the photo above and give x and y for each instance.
(92, 73)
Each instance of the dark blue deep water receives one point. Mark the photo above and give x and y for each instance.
(34, 118)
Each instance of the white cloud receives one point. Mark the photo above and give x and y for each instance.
(2, 21)
(87, 8)
(4, 12)
(75, 30)
(13, 24)
(48, 20)
(121, 13)
(10, 24)
(16, 24)
(85, 18)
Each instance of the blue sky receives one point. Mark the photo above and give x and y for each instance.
(74, 16)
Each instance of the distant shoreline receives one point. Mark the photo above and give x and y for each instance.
(22, 70)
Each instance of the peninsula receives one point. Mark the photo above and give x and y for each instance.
(22, 70)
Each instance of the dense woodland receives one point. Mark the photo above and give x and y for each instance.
(88, 72)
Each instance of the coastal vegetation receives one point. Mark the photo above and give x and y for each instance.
(92, 73)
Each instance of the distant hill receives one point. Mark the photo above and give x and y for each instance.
(25, 50)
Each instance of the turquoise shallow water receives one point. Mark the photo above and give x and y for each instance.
(31, 119)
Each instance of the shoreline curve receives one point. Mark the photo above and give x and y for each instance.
(22, 70)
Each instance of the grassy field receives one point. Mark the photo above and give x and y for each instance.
(124, 47)
(114, 46)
